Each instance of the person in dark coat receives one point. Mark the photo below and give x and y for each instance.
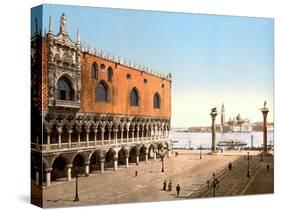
(164, 185)
(178, 188)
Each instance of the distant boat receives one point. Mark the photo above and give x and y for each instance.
(231, 143)
(175, 141)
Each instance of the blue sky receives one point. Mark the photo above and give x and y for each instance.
(213, 59)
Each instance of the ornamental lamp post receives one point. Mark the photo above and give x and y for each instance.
(76, 173)
(200, 149)
(248, 158)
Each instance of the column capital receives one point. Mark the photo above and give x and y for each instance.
(48, 170)
(69, 166)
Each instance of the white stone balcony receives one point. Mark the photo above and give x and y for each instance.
(67, 104)
(96, 144)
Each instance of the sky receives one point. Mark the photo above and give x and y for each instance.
(213, 59)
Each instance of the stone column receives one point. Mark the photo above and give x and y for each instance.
(127, 161)
(48, 177)
(109, 134)
(48, 139)
(87, 170)
(137, 138)
(213, 115)
(151, 133)
(102, 165)
(78, 135)
(264, 111)
(102, 135)
(137, 159)
(146, 157)
(95, 136)
(133, 134)
(122, 131)
(87, 137)
(115, 135)
(128, 134)
(37, 175)
(115, 161)
(59, 129)
(154, 155)
(68, 168)
(69, 138)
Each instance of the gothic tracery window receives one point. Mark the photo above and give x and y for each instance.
(109, 74)
(134, 97)
(64, 89)
(101, 92)
(156, 101)
(95, 70)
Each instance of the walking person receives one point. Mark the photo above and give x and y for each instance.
(164, 185)
(178, 188)
(136, 173)
(170, 186)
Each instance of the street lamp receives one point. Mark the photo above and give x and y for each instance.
(248, 163)
(200, 148)
(214, 184)
(162, 155)
(76, 172)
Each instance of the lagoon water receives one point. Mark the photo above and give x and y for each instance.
(188, 139)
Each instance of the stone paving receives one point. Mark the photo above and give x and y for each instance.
(187, 169)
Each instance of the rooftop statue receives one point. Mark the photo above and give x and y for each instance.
(264, 104)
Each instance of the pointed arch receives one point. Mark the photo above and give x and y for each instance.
(65, 89)
(156, 101)
(109, 74)
(95, 71)
(134, 97)
(102, 92)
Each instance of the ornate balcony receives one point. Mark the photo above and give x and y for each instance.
(45, 148)
(67, 104)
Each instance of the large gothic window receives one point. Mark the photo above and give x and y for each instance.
(101, 92)
(64, 89)
(109, 74)
(95, 70)
(156, 101)
(134, 97)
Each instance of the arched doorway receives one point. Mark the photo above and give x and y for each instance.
(95, 161)
(65, 89)
(109, 156)
(122, 156)
(133, 155)
(59, 168)
(78, 165)
(142, 153)
(151, 151)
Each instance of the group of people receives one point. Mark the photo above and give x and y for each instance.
(170, 187)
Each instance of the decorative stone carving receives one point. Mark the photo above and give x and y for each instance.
(63, 28)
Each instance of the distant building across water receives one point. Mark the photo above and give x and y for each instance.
(235, 124)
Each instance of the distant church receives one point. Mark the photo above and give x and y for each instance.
(236, 124)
